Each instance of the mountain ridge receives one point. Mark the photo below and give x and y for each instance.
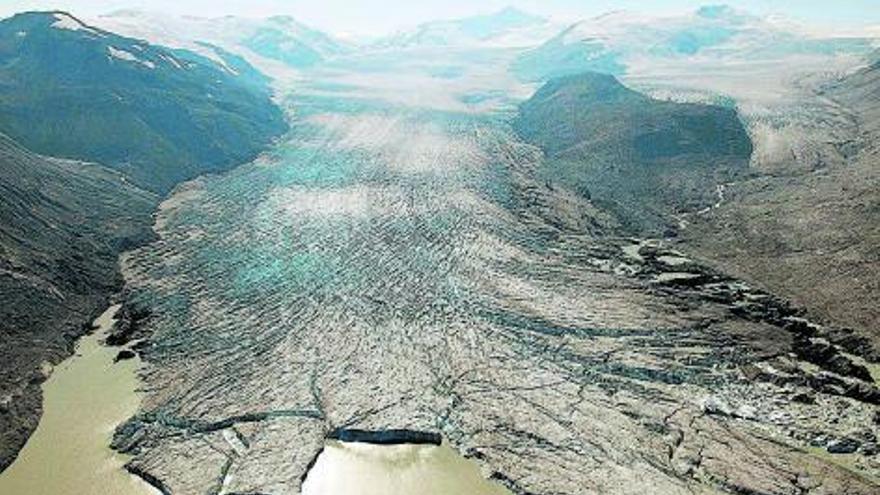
(262, 42)
(151, 112)
(506, 27)
(619, 42)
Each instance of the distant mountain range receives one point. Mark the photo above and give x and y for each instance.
(614, 42)
(278, 39)
(508, 27)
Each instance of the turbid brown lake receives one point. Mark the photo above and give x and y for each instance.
(86, 397)
(89, 395)
(365, 469)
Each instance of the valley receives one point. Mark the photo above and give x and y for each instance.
(645, 279)
(400, 263)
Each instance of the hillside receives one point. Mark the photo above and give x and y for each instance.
(160, 116)
(643, 158)
(62, 225)
(809, 231)
(860, 92)
(146, 118)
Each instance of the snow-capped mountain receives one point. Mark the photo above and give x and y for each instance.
(614, 42)
(266, 43)
(74, 90)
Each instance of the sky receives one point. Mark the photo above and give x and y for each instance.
(382, 16)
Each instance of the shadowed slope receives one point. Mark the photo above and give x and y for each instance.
(160, 116)
(62, 225)
(644, 158)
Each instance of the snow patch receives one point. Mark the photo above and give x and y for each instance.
(65, 21)
(122, 54)
(224, 66)
(127, 56)
(173, 61)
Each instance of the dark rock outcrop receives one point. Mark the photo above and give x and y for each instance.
(124, 355)
(386, 437)
(842, 446)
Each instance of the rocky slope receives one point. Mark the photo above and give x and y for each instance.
(158, 115)
(639, 157)
(62, 226)
(860, 93)
(806, 226)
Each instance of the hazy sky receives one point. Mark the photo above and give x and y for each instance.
(376, 16)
